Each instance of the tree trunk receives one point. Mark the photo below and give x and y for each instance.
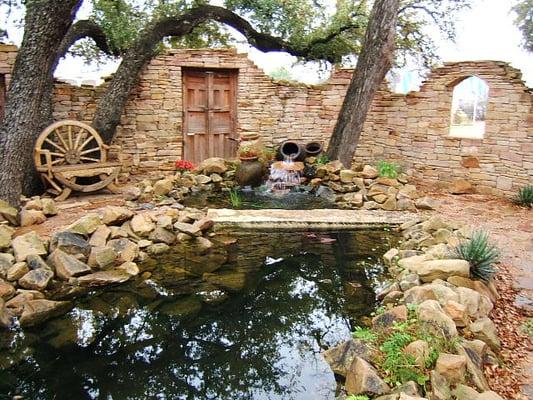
(46, 23)
(373, 64)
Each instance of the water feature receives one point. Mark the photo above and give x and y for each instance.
(246, 321)
(284, 175)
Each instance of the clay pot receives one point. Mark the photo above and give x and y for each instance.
(249, 172)
(291, 149)
(313, 149)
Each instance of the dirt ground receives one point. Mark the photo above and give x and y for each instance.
(510, 228)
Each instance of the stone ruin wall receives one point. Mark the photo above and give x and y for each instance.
(410, 129)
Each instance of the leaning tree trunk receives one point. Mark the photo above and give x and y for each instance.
(46, 23)
(373, 64)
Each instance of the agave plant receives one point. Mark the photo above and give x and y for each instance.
(524, 197)
(480, 254)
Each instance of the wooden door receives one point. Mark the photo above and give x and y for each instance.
(209, 114)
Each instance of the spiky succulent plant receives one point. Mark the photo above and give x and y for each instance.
(480, 254)
(524, 197)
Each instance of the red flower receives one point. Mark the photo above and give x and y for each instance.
(183, 165)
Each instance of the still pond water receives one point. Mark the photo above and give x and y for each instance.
(247, 321)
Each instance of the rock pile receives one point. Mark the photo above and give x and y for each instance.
(34, 211)
(96, 250)
(361, 187)
(448, 305)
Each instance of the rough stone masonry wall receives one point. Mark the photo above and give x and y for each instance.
(414, 130)
(411, 129)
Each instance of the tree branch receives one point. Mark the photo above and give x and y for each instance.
(86, 29)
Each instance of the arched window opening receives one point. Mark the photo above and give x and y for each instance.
(469, 108)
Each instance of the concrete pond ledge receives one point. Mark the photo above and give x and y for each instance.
(276, 219)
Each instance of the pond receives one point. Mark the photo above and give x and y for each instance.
(259, 199)
(246, 321)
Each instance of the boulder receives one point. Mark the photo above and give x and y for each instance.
(354, 198)
(474, 363)
(202, 179)
(34, 204)
(426, 203)
(6, 261)
(369, 172)
(70, 243)
(362, 378)
(100, 236)
(101, 257)
(157, 249)
(391, 256)
(431, 312)
(38, 311)
(130, 268)
(6, 234)
(202, 245)
(457, 312)
(405, 396)
(49, 207)
(126, 250)
(390, 286)
(131, 193)
(477, 305)
(212, 165)
(187, 228)
(142, 224)
(463, 392)
(85, 225)
(17, 271)
(67, 266)
(164, 221)
(390, 317)
(460, 186)
(347, 175)
(36, 262)
(452, 367)
(478, 286)
(216, 178)
(433, 224)
(440, 389)
(431, 291)
(485, 330)
(114, 215)
(7, 290)
(5, 316)
(409, 281)
(9, 213)
(405, 204)
(163, 187)
(28, 244)
(104, 278)
(36, 279)
(430, 270)
(341, 357)
(162, 235)
(31, 217)
(204, 224)
(419, 350)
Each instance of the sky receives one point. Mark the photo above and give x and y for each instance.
(485, 32)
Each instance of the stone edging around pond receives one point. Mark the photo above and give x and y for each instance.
(434, 294)
(98, 249)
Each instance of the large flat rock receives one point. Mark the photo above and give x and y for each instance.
(306, 219)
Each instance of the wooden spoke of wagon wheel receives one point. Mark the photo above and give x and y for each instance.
(69, 142)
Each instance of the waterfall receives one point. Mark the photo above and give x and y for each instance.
(284, 175)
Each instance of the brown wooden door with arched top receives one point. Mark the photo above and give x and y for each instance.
(209, 114)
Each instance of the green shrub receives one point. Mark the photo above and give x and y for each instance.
(357, 397)
(365, 334)
(388, 169)
(480, 254)
(524, 198)
(235, 198)
(322, 159)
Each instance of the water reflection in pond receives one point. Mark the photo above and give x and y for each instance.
(248, 322)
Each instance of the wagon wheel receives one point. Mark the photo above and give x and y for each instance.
(67, 143)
